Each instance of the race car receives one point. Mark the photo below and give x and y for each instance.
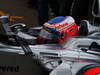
(81, 51)
(70, 58)
(52, 56)
(73, 59)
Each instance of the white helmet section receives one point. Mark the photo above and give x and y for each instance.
(45, 34)
(68, 19)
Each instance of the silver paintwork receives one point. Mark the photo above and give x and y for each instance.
(68, 54)
(50, 55)
(69, 69)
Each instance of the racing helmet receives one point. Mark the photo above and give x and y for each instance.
(58, 29)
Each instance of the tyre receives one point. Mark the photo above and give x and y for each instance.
(93, 69)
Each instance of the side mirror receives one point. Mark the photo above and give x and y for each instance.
(96, 8)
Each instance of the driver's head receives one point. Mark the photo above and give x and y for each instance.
(55, 29)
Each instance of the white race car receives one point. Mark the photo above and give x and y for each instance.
(77, 56)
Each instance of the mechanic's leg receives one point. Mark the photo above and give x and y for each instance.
(43, 11)
(54, 4)
(80, 10)
(65, 7)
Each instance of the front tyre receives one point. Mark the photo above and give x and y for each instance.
(93, 69)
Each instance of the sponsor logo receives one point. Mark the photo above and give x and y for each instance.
(9, 68)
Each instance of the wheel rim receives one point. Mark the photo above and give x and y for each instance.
(92, 71)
